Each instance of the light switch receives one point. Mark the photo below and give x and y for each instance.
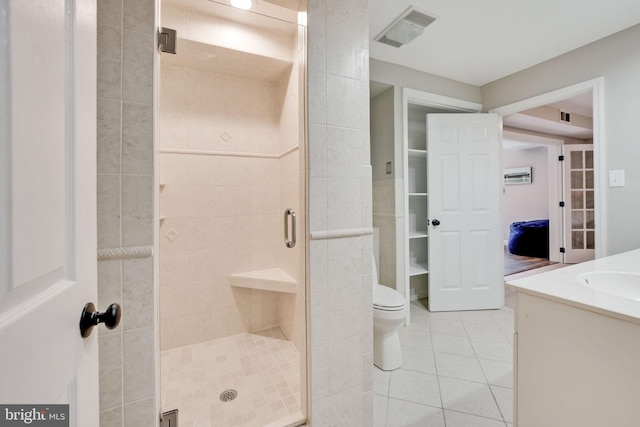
(616, 178)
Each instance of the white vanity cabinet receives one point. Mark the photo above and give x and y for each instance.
(575, 365)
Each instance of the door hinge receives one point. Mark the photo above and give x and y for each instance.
(169, 418)
(561, 158)
(167, 40)
(562, 250)
(562, 204)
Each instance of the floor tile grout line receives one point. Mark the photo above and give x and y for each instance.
(483, 373)
(496, 324)
(426, 322)
(478, 360)
(498, 405)
(435, 362)
(442, 408)
(418, 403)
(386, 414)
(488, 385)
(476, 415)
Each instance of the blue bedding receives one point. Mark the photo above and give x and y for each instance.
(529, 238)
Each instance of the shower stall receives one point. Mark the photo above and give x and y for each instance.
(232, 204)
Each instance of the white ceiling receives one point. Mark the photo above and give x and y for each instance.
(536, 124)
(580, 104)
(480, 41)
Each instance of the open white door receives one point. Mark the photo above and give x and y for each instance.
(579, 196)
(464, 185)
(48, 206)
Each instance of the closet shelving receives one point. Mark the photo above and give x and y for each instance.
(417, 196)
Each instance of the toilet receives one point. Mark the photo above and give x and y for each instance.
(388, 315)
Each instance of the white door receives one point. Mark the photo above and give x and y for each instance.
(464, 185)
(579, 196)
(48, 205)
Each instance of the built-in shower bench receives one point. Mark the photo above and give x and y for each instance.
(271, 279)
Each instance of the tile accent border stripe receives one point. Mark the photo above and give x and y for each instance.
(227, 153)
(339, 234)
(131, 252)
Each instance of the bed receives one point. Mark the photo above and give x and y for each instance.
(529, 238)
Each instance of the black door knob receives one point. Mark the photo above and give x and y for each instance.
(435, 223)
(90, 318)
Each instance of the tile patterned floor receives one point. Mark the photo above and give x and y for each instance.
(457, 372)
(264, 367)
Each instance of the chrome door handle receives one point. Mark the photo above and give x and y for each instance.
(289, 213)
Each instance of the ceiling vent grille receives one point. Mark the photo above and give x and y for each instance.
(565, 117)
(409, 25)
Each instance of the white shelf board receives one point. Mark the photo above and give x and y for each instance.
(418, 268)
(417, 234)
(416, 152)
(417, 194)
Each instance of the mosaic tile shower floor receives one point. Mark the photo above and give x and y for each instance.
(263, 367)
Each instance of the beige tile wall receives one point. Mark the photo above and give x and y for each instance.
(125, 210)
(212, 230)
(384, 217)
(340, 200)
(203, 23)
(338, 52)
(223, 214)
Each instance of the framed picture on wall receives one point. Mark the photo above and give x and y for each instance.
(518, 175)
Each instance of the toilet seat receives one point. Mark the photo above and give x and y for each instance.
(387, 299)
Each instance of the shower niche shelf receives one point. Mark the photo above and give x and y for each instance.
(271, 279)
(203, 56)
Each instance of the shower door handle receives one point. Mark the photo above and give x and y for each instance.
(289, 213)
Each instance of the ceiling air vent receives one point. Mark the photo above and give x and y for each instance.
(565, 117)
(409, 25)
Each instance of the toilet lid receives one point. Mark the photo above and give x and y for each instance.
(386, 298)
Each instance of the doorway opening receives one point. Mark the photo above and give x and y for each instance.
(531, 225)
(405, 188)
(231, 165)
(549, 218)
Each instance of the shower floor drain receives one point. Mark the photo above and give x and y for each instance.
(228, 395)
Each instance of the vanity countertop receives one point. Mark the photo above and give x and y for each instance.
(562, 285)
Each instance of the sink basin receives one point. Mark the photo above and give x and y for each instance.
(617, 283)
